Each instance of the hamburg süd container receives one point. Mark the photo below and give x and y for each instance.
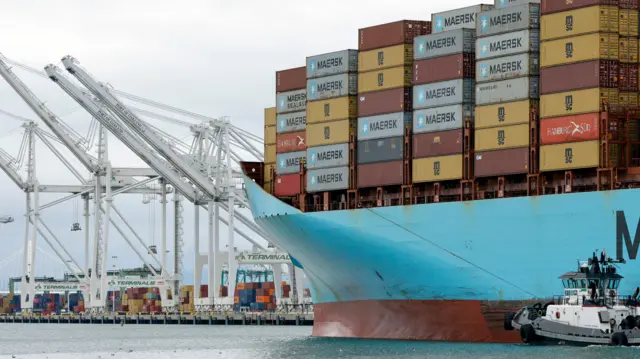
(394, 33)
(444, 43)
(378, 59)
(500, 138)
(570, 129)
(576, 102)
(628, 79)
(444, 93)
(501, 162)
(330, 133)
(292, 122)
(513, 18)
(628, 24)
(270, 135)
(384, 79)
(292, 101)
(291, 79)
(381, 150)
(333, 63)
(328, 179)
(581, 21)
(506, 3)
(508, 67)
(520, 88)
(433, 144)
(595, 46)
(380, 174)
(552, 6)
(287, 185)
(324, 88)
(508, 44)
(287, 163)
(291, 142)
(270, 153)
(334, 109)
(566, 156)
(444, 68)
(458, 18)
(441, 118)
(386, 101)
(381, 126)
(328, 156)
(270, 116)
(582, 75)
(628, 50)
(505, 114)
(435, 169)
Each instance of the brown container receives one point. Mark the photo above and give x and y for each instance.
(386, 101)
(628, 80)
(380, 174)
(444, 68)
(439, 143)
(502, 162)
(394, 33)
(291, 79)
(582, 75)
(551, 6)
(291, 142)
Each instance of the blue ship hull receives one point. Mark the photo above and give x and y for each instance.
(451, 257)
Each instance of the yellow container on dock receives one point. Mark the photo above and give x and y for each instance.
(566, 156)
(576, 102)
(435, 169)
(579, 48)
(334, 109)
(503, 137)
(603, 18)
(393, 56)
(504, 114)
(385, 79)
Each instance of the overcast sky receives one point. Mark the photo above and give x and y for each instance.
(216, 58)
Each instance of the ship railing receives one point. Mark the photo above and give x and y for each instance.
(609, 301)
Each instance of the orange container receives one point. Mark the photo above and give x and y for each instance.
(569, 129)
(291, 142)
(236, 299)
(262, 299)
(240, 286)
(271, 291)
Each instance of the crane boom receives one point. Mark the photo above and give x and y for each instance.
(47, 116)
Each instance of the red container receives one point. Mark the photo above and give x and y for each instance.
(628, 79)
(569, 129)
(291, 79)
(291, 142)
(386, 101)
(394, 33)
(444, 68)
(287, 185)
(551, 6)
(380, 174)
(582, 75)
(441, 143)
(628, 4)
(502, 162)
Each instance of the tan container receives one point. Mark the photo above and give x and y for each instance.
(628, 24)
(580, 48)
(384, 79)
(567, 156)
(270, 116)
(628, 50)
(500, 138)
(576, 102)
(330, 110)
(435, 169)
(270, 135)
(267, 187)
(269, 153)
(628, 99)
(582, 21)
(329, 133)
(504, 114)
(393, 56)
(267, 171)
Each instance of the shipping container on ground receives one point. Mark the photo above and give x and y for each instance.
(291, 142)
(328, 179)
(444, 93)
(444, 68)
(324, 88)
(510, 43)
(329, 133)
(503, 137)
(434, 144)
(287, 163)
(501, 162)
(291, 79)
(564, 129)
(553, 6)
(394, 33)
(458, 18)
(291, 101)
(385, 101)
(380, 174)
(381, 150)
(520, 88)
(580, 21)
(333, 109)
(328, 156)
(603, 46)
(381, 126)
(435, 169)
(507, 67)
(503, 20)
(384, 79)
(567, 156)
(292, 122)
(384, 58)
(442, 118)
(576, 102)
(505, 114)
(444, 43)
(582, 75)
(332, 63)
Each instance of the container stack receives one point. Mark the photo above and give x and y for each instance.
(579, 70)
(628, 53)
(269, 147)
(291, 101)
(257, 296)
(507, 89)
(331, 113)
(385, 63)
(187, 296)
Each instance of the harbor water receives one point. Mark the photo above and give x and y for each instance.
(163, 342)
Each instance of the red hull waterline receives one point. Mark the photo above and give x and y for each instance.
(428, 320)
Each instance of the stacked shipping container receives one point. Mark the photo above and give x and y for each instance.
(507, 90)
(269, 147)
(331, 113)
(291, 99)
(384, 92)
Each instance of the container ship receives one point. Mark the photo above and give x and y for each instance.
(445, 172)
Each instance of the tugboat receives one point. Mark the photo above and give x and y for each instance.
(589, 313)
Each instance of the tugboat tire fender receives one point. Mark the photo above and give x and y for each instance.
(528, 334)
(508, 318)
(619, 339)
